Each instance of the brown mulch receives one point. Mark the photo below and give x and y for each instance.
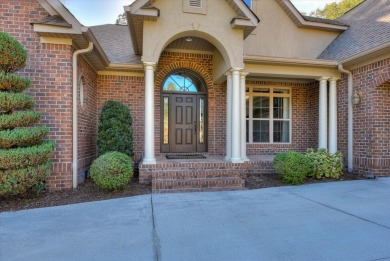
(88, 191)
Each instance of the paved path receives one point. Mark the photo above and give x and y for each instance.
(328, 221)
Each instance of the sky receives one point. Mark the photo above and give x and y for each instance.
(95, 12)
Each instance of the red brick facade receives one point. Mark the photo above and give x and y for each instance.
(49, 66)
(371, 118)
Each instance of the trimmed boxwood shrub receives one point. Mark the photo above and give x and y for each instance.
(13, 82)
(325, 165)
(112, 171)
(15, 101)
(27, 156)
(24, 156)
(18, 119)
(18, 181)
(13, 55)
(115, 131)
(293, 167)
(22, 137)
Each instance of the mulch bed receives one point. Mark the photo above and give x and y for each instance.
(88, 191)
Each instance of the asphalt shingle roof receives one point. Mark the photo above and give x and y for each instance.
(53, 20)
(116, 43)
(369, 26)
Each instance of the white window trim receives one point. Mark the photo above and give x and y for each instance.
(271, 95)
(81, 90)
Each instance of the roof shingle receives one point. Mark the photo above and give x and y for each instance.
(369, 27)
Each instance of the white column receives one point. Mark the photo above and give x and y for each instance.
(236, 135)
(149, 157)
(228, 116)
(243, 115)
(322, 114)
(332, 116)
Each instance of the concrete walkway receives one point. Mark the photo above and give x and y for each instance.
(329, 221)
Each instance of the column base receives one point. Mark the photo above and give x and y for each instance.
(236, 160)
(245, 159)
(149, 161)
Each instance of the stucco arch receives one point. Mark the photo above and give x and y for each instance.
(230, 49)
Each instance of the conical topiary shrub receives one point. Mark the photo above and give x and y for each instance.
(24, 156)
(115, 131)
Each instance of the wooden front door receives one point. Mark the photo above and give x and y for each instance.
(183, 123)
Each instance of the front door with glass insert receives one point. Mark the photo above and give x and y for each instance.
(183, 113)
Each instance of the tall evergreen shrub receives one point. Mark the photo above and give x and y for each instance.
(24, 156)
(115, 130)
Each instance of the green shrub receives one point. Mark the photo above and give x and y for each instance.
(13, 54)
(22, 137)
(115, 131)
(325, 165)
(19, 181)
(13, 82)
(293, 167)
(23, 157)
(112, 170)
(18, 119)
(15, 101)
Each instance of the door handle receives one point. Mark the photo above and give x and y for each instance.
(195, 126)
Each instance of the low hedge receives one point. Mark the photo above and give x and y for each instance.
(18, 119)
(112, 170)
(293, 166)
(325, 164)
(23, 157)
(22, 137)
(19, 181)
(15, 101)
(13, 55)
(13, 82)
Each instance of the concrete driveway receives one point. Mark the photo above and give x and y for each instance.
(329, 221)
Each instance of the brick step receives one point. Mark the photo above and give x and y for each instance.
(186, 190)
(194, 174)
(200, 184)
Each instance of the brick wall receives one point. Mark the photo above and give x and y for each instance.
(87, 111)
(50, 70)
(131, 92)
(371, 118)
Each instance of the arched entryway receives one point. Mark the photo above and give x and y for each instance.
(183, 113)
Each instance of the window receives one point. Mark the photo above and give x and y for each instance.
(268, 115)
(81, 90)
(248, 3)
(184, 81)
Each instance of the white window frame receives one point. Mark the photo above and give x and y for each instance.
(81, 90)
(271, 95)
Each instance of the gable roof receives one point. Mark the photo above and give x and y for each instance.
(115, 42)
(369, 28)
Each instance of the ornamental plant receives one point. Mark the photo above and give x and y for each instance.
(293, 166)
(325, 164)
(24, 155)
(112, 171)
(115, 131)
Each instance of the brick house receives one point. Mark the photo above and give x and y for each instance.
(235, 82)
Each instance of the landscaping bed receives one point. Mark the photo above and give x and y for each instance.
(89, 191)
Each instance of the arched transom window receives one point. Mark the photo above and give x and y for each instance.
(184, 81)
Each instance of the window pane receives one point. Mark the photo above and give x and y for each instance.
(281, 131)
(166, 119)
(281, 108)
(247, 131)
(261, 90)
(260, 131)
(260, 107)
(284, 91)
(248, 3)
(247, 105)
(201, 121)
